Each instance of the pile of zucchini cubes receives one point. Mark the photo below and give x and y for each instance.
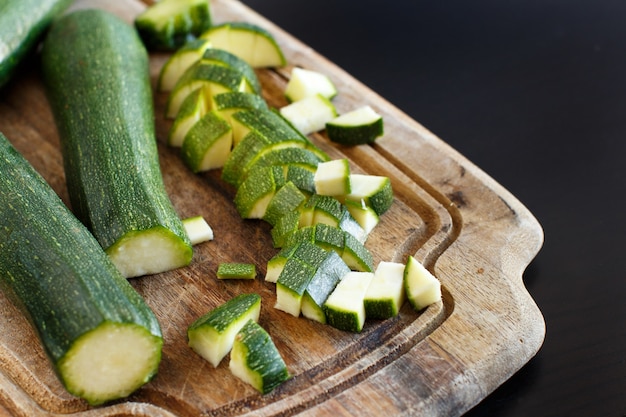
(320, 212)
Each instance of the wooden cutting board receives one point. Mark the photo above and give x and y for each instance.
(468, 230)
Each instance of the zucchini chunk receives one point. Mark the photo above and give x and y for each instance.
(213, 334)
(198, 229)
(385, 294)
(422, 288)
(256, 360)
(101, 337)
(96, 73)
(180, 61)
(306, 83)
(357, 127)
(309, 114)
(169, 24)
(344, 307)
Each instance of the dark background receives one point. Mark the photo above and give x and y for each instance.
(534, 93)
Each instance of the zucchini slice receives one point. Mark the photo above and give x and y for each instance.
(180, 61)
(96, 73)
(252, 43)
(101, 337)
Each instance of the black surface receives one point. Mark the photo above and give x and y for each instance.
(534, 93)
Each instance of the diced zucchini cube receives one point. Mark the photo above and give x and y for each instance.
(291, 284)
(344, 307)
(197, 229)
(213, 334)
(357, 127)
(286, 199)
(333, 178)
(326, 278)
(422, 288)
(255, 359)
(309, 114)
(385, 294)
(306, 83)
(371, 190)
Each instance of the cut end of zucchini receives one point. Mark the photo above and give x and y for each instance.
(149, 252)
(110, 362)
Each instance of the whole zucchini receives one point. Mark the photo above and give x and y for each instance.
(96, 72)
(101, 337)
(22, 23)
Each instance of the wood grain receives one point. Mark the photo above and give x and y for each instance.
(470, 232)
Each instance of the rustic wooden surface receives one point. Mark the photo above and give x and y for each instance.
(474, 235)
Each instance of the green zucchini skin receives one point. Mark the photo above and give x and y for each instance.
(52, 267)
(96, 73)
(22, 23)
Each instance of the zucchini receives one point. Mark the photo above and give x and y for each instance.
(180, 61)
(333, 177)
(305, 83)
(169, 24)
(198, 230)
(344, 307)
(385, 294)
(422, 288)
(22, 23)
(207, 144)
(96, 72)
(102, 339)
(328, 274)
(213, 334)
(357, 127)
(236, 270)
(255, 359)
(192, 109)
(309, 114)
(252, 43)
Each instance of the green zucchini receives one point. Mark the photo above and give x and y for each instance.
(96, 72)
(102, 339)
(212, 335)
(169, 24)
(22, 23)
(255, 359)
